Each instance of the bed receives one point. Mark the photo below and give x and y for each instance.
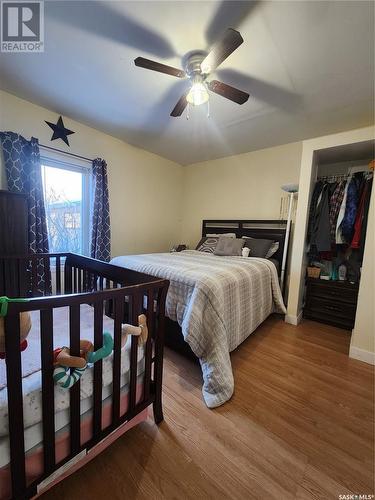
(217, 302)
(78, 298)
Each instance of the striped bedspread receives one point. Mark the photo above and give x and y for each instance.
(218, 302)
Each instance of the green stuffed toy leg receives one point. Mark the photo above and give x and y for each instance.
(104, 351)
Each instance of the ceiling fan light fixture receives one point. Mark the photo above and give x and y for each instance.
(198, 65)
(198, 94)
(205, 69)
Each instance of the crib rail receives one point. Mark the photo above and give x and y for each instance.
(46, 274)
(123, 294)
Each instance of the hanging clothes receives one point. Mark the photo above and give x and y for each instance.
(341, 214)
(313, 206)
(338, 214)
(347, 224)
(321, 232)
(359, 218)
(335, 204)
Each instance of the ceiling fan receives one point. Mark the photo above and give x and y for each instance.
(197, 67)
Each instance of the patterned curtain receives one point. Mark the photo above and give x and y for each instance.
(101, 232)
(23, 172)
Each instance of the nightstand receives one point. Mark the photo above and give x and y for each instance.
(331, 302)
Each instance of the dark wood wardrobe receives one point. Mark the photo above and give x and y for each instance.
(13, 236)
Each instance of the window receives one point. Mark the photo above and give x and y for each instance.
(67, 192)
(72, 220)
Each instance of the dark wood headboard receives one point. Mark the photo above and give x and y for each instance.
(269, 229)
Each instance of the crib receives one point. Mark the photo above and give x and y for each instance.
(56, 283)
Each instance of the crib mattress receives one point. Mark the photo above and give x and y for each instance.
(32, 383)
(34, 434)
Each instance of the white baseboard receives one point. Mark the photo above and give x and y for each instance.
(293, 320)
(362, 355)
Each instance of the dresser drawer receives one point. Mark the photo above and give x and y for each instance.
(328, 319)
(333, 292)
(331, 307)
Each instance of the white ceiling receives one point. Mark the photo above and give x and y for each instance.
(308, 66)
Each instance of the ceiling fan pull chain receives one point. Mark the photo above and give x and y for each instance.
(208, 109)
(188, 111)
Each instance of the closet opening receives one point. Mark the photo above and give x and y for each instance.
(336, 232)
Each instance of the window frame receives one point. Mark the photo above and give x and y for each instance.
(64, 161)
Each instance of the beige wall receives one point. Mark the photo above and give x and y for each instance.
(145, 189)
(245, 186)
(363, 338)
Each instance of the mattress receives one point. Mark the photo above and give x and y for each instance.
(218, 302)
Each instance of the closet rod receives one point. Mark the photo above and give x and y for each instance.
(343, 176)
(65, 152)
(338, 176)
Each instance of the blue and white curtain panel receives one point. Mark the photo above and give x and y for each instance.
(101, 229)
(23, 173)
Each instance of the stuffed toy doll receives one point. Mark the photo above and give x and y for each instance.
(25, 325)
(69, 369)
(141, 331)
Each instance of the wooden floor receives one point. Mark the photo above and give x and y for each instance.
(300, 425)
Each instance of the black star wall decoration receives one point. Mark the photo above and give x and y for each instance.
(59, 131)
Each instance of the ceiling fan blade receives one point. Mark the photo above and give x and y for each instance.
(229, 92)
(229, 13)
(222, 49)
(156, 66)
(112, 21)
(180, 106)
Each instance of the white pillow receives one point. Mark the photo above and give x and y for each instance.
(228, 235)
